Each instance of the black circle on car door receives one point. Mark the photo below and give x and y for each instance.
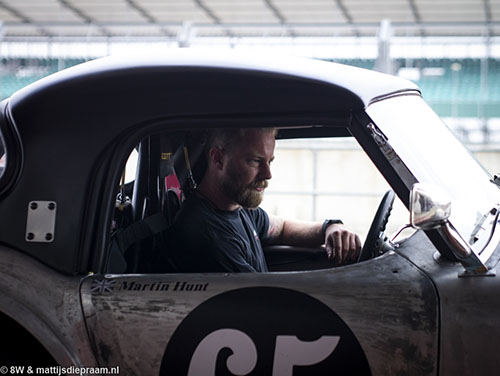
(263, 331)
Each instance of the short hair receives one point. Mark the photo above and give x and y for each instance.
(226, 138)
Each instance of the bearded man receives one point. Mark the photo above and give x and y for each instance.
(220, 227)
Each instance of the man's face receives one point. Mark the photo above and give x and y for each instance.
(247, 169)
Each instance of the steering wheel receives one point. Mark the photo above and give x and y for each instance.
(375, 238)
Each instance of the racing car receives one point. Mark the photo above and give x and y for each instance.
(85, 279)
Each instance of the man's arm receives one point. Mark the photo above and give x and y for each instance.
(341, 244)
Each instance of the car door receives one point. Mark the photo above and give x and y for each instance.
(378, 317)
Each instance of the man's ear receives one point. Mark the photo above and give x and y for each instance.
(216, 157)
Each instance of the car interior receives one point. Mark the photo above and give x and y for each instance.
(168, 167)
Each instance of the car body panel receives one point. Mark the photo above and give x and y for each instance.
(47, 304)
(350, 78)
(466, 326)
(391, 294)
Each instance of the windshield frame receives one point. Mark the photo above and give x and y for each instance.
(411, 137)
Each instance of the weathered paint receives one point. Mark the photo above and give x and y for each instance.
(47, 304)
(389, 305)
(469, 306)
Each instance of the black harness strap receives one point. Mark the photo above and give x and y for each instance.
(141, 230)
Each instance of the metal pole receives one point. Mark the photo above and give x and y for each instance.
(483, 91)
(185, 34)
(384, 62)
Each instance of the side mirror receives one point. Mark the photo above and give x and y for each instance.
(429, 208)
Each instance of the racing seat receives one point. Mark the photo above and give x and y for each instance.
(142, 246)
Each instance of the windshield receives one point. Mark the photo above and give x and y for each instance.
(435, 156)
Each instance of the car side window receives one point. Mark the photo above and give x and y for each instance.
(131, 166)
(312, 179)
(315, 179)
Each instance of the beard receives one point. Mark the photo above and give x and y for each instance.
(243, 194)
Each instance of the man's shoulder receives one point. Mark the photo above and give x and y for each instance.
(192, 208)
(198, 212)
(255, 213)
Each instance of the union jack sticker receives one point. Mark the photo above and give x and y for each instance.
(102, 286)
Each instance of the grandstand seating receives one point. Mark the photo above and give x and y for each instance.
(460, 91)
(18, 73)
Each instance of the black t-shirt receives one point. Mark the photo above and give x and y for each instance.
(210, 240)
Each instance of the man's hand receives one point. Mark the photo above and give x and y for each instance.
(342, 245)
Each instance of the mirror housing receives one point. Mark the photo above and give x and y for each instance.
(429, 208)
